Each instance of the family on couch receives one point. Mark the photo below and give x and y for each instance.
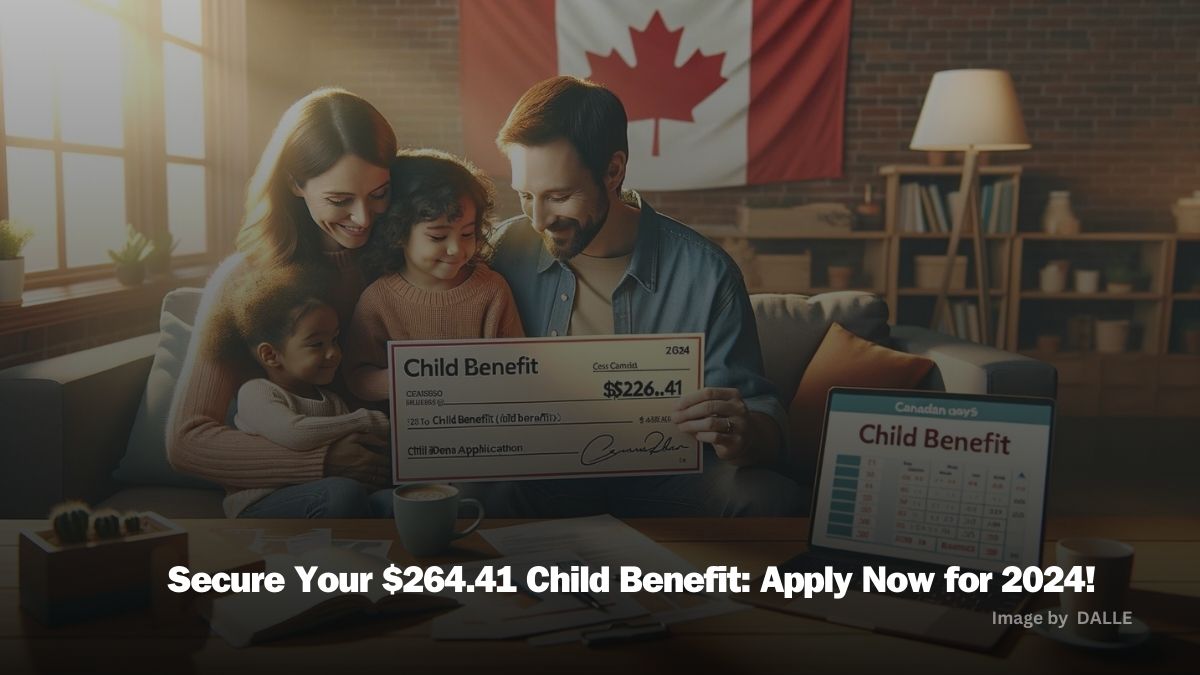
(347, 244)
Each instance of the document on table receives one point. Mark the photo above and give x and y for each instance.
(604, 540)
(500, 616)
(469, 410)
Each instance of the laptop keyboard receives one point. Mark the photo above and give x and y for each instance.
(992, 601)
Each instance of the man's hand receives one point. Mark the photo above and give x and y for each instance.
(719, 416)
(361, 457)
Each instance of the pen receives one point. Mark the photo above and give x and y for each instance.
(589, 600)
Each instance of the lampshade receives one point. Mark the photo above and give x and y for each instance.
(970, 109)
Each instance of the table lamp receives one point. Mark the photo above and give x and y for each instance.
(969, 111)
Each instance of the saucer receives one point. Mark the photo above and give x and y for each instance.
(1128, 636)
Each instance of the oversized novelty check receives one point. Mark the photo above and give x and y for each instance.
(542, 407)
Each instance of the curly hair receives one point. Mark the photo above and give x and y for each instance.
(427, 184)
(265, 306)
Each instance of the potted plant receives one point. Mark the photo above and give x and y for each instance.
(12, 266)
(1119, 278)
(130, 261)
(840, 271)
(158, 260)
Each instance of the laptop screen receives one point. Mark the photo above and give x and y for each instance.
(941, 478)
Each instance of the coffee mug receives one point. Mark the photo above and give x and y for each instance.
(425, 515)
(1095, 615)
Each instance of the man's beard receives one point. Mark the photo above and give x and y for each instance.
(567, 237)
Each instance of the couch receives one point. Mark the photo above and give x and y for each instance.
(67, 421)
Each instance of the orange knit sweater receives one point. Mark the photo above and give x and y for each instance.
(393, 309)
(198, 440)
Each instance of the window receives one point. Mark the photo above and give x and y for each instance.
(104, 121)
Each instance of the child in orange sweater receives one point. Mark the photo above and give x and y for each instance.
(429, 250)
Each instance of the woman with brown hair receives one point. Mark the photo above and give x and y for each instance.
(321, 181)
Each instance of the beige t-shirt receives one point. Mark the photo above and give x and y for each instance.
(595, 281)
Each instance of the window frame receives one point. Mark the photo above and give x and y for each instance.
(144, 121)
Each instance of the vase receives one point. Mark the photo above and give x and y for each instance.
(12, 281)
(1058, 218)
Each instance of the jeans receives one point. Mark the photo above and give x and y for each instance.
(333, 497)
(721, 490)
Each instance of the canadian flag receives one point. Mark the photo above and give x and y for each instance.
(718, 92)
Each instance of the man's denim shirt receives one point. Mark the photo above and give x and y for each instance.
(677, 282)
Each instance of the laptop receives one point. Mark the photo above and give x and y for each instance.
(918, 481)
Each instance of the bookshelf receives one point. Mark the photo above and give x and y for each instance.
(1158, 373)
(916, 232)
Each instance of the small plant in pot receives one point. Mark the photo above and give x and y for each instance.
(840, 271)
(1120, 278)
(130, 261)
(12, 266)
(158, 260)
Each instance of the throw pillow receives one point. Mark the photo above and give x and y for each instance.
(843, 360)
(145, 461)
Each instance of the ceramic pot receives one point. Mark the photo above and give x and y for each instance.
(1053, 277)
(1087, 281)
(12, 281)
(1049, 344)
(1112, 336)
(840, 276)
(131, 275)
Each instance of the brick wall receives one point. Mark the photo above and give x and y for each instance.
(1110, 91)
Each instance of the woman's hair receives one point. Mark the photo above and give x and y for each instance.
(314, 133)
(264, 306)
(426, 185)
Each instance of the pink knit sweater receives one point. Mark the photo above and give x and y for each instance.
(393, 309)
(198, 440)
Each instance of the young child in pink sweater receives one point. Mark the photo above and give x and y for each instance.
(429, 250)
(285, 324)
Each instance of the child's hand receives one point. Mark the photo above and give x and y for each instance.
(357, 456)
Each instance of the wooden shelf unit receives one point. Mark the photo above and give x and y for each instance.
(1155, 377)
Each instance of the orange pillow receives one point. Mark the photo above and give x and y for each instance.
(843, 360)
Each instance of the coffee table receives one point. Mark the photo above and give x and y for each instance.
(1166, 594)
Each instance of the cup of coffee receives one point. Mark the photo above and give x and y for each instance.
(425, 515)
(1096, 615)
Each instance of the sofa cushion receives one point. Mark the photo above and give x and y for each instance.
(145, 461)
(843, 360)
(791, 327)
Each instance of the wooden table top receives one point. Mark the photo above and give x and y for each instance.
(1165, 594)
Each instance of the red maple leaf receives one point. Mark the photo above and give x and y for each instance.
(655, 88)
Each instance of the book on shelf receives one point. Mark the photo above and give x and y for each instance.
(935, 195)
(923, 207)
(248, 618)
(965, 314)
(927, 209)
